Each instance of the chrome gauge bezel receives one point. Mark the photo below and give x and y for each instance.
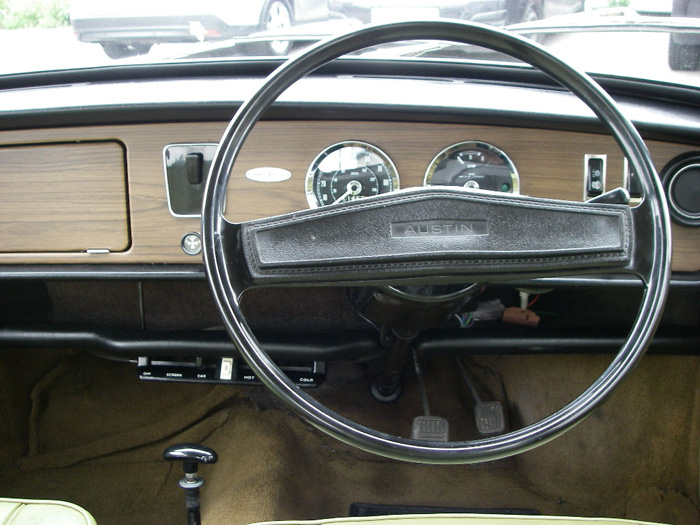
(676, 208)
(309, 183)
(474, 144)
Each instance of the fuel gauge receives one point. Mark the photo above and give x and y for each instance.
(473, 164)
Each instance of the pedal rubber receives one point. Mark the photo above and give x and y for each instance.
(489, 418)
(430, 428)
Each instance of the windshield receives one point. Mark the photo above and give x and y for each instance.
(649, 39)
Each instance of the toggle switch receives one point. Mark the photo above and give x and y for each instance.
(631, 181)
(186, 169)
(594, 176)
(195, 168)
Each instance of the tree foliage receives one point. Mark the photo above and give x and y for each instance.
(20, 14)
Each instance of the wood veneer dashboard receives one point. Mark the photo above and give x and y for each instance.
(71, 194)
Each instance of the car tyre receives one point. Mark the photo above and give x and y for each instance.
(116, 51)
(531, 13)
(276, 15)
(683, 57)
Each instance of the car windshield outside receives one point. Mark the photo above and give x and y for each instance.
(655, 40)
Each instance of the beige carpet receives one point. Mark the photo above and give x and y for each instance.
(95, 436)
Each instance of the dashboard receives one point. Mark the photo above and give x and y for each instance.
(99, 194)
(103, 178)
(84, 167)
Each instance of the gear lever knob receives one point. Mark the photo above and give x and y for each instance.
(191, 455)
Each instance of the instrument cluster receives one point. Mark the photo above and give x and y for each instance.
(353, 170)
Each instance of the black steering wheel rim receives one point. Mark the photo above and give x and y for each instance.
(653, 268)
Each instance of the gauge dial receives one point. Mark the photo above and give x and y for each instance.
(348, 171)
(475, 165)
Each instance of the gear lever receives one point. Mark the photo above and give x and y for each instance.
(191, 454)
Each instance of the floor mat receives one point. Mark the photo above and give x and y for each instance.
(272, 466)
(89, 407)
(97, 436)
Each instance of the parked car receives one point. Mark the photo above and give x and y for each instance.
(368, 284)
(131, 27)
(684, 49)
(494, 12)
(651, 7)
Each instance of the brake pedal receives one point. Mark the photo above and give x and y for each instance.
(427, 427)
(430, 428)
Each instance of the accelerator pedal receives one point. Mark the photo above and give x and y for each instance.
(489, 416)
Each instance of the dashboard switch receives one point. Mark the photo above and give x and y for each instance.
(191, 243)
(186, 166)
(631, 182)
(226, 369)
(594, 176)
(195, 168)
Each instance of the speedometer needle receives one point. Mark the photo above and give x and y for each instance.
(353, 188)
(342, 197)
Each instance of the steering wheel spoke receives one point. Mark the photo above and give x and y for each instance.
(649, 241)
(436, 235)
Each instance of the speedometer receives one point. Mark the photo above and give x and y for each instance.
(475, 165)
(348, 171)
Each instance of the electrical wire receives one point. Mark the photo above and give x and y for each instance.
(533, 301)
(466, 320)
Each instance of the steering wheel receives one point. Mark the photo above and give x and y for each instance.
(498, 238)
